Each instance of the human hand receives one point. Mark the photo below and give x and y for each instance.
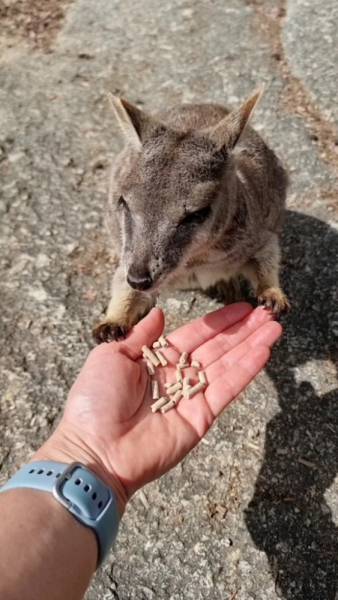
(107, 422)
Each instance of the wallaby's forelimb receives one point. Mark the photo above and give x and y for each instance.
(125, 309)
(263, 272)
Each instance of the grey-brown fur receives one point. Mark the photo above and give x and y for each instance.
(183, 161)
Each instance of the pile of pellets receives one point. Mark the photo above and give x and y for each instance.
(182, 387)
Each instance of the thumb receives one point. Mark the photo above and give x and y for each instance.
(145, 332)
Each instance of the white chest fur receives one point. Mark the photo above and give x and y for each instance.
(202, 276)
(209, 275)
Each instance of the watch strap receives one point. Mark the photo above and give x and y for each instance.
(80, 491)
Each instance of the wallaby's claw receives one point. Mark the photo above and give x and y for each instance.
(108, 332)
(275, 301)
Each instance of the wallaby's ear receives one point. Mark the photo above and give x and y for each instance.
(136, 125)
(228, 131)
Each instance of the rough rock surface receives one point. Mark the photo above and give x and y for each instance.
(271, 459)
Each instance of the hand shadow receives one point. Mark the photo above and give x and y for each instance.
(288, 516)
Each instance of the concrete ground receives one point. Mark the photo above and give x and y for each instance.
(251, 514)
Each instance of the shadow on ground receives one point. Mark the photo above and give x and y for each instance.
(288, 517)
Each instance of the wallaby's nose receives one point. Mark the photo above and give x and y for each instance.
(139, 279)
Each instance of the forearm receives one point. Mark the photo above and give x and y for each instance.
(45, 553)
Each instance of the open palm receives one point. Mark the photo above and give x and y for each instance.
(108, 415)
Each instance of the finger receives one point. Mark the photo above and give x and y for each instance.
(202, 417)
(145, 332)
(221, 344)
(203, 329)
(229, 385)
(213, 349)
(191, 336)
(266, 335)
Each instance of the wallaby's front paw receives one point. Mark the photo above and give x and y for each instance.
(108, 331)
(274, 300)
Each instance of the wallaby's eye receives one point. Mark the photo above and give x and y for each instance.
(199, 216)
(123, 203)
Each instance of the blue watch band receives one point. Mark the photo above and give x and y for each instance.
(81, 492)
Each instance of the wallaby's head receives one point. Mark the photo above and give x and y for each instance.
(177, 192)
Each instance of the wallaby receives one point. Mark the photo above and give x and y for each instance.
(196, 198)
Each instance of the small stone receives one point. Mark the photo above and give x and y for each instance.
(89, 295)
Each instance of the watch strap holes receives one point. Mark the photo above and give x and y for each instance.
(41, 471)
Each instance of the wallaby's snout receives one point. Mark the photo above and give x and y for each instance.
(139, 278)
(144, 273)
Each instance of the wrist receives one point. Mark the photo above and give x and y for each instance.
(62, 447)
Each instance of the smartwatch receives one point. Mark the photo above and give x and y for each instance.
(80, 491)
